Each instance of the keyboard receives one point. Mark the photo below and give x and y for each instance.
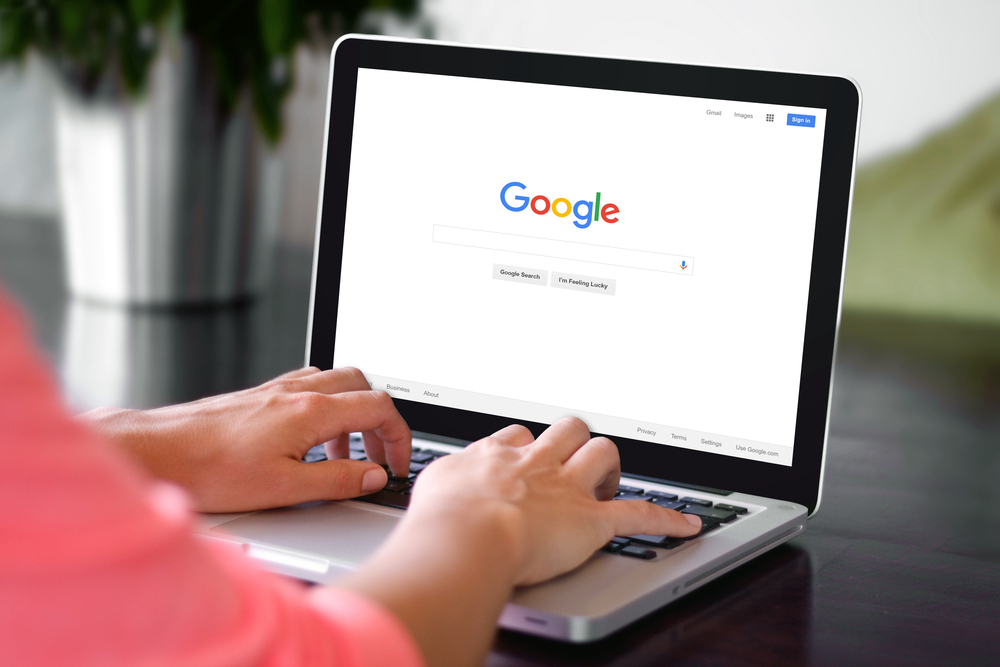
(396, 493)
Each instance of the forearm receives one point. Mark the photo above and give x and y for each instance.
(164, 444)
(447, 583)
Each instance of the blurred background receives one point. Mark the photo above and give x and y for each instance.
(160, 168)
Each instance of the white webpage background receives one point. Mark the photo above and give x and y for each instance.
(718, 351)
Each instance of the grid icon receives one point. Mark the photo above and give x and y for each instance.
(770, 118)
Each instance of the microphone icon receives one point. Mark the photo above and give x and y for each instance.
(684, 264)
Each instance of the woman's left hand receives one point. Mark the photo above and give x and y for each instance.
(243, 451)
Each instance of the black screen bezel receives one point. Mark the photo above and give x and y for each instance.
(798, 483)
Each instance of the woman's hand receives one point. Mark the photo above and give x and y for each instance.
(547, 497)
(508, 510)
(243, 451)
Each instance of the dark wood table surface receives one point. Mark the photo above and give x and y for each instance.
(901, 566)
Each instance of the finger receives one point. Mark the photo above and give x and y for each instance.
(639, 517)
(597, 466)
(333, 381)
(329, 480)
(387, 437)
(563, 438)
(374, 447)
(397, 455)
(514, 435)
(339, 447)
(357, 411)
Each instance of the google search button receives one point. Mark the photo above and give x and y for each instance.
(801, 120)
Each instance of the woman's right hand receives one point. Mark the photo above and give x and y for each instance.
(546, 499)
(506, 511)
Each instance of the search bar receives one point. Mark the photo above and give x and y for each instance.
(572, 250)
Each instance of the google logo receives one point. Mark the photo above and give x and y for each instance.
(584, 211)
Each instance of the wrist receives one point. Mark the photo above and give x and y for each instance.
(490, 536)
(117, 425)
(446, 575)
(129, 431)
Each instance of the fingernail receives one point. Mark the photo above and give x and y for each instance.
(373, 480)
(694, 520)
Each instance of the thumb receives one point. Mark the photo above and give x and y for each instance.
(335, 479)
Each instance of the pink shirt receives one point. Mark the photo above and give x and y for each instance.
(98, 564)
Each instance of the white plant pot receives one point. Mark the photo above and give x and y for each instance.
(165, 200)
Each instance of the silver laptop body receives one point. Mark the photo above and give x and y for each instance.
(321, 541)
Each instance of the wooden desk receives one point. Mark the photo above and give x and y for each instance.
(900, 567)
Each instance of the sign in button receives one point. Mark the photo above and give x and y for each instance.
(583, 283)
(801, 120)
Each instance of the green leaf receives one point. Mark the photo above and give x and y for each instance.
(268, 97)
(276, 25)
(230, 75)
(134, 61)
(142, 10)
(71, 19)
(15, 33)
(150, 11)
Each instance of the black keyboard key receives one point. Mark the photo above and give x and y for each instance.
(417, 467)
(662, 495)
(696, 501)
(707, 524)
(732, 508)
(396, 484)
(631, 496)
(421, 457)
(720, 515)
(628, 489)
(358, 456)
(388, 499)
(706, 528)
(656, 541)
(669, 504)
(356, 445)
(615, 545)
(637, 552)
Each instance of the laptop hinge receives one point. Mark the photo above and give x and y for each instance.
(683, 485)
(694, 487)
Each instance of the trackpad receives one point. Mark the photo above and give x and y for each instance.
(345, 533)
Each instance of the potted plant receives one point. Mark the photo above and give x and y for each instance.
(167, 115)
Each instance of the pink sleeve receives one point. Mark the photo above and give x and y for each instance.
(98, 564)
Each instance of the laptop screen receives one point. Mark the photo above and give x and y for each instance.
(534, 251)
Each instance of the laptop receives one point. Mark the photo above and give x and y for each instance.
(508, 236)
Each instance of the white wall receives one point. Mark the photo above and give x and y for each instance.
(920, 63)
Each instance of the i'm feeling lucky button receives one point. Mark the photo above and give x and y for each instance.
(583, 283)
